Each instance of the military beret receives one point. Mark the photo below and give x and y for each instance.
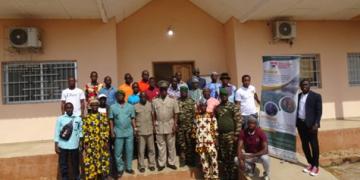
(184, 89)
(120, 92)
(163, 84)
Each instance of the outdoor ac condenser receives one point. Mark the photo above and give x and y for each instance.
(284, 30)
(24, 37)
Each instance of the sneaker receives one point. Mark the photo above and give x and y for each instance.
(266, 177)
(172, 167)
(120, 174)
(308, 169)
(314, 171)
(142, 170)
(130, 171)
(161, 168)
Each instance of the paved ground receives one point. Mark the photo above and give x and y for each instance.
(279, 171)
(346, 171)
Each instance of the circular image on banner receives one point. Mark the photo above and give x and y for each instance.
(271, 108)
(287, 104)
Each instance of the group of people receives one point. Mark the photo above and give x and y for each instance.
(213, 124)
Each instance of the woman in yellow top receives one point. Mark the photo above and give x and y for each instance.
(96, 156)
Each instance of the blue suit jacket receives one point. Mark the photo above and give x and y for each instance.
(313, 109)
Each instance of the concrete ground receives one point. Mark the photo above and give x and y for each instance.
(279, 170)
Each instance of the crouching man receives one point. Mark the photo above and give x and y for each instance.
(253, 148)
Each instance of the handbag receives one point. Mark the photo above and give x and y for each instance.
(67, 130)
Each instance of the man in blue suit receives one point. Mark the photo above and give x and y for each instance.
(309, 111)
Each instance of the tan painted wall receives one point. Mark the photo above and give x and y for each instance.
(142, 38)
(331, 39)
(231, 51)
(133, 44)
(89, 42)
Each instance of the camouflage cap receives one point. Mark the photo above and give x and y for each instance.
(163, 84)
(184, 89)
(120, 92)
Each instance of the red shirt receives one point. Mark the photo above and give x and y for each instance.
(253, 142)
(143, 86)
(151, 94)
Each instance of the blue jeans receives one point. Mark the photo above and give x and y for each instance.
(129, 150)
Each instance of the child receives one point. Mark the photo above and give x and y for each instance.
(205, 132)
(68, 131)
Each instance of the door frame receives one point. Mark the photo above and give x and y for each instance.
(192, 62)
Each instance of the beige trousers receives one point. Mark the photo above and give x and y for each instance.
(166, 144)
(146, 141)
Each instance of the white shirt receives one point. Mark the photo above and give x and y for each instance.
(301, 112)
(73, 96)
(246, 97)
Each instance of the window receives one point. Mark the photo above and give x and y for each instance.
(310, 69)
(354, 68)
(35, 81)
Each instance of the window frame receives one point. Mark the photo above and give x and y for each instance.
(317, 71)
(348, 68)
(5, 79)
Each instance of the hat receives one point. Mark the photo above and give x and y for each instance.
(184, 89)
(163, 84)
(194, 80)
(102, 96)
(224, 76)
(94, 101)
(120, 92)
(252, 118)
(223, 92)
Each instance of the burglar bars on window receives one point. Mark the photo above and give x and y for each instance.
(36, 81)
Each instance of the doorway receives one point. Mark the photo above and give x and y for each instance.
(164, 70)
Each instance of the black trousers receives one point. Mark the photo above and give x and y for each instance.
(69, 159)
(309, 142)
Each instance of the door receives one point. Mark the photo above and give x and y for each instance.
(164, 70)
(185, 69)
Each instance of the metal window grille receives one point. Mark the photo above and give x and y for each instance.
(35, 81)
(354, 68)
(310, 69)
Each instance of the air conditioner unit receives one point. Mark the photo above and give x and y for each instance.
(284, 30)
(24, 37)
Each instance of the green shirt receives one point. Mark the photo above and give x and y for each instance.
(187, 112)
(122, 116)
(228, 118)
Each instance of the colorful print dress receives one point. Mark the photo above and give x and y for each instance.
(96, 156)
(205, 132)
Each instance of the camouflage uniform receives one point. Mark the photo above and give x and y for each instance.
(229, 125)
(185, 142)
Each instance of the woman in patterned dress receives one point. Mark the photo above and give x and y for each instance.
(96, 156)
(205, 131)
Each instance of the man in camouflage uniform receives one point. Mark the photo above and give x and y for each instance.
(229, 125)
(185, 142)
